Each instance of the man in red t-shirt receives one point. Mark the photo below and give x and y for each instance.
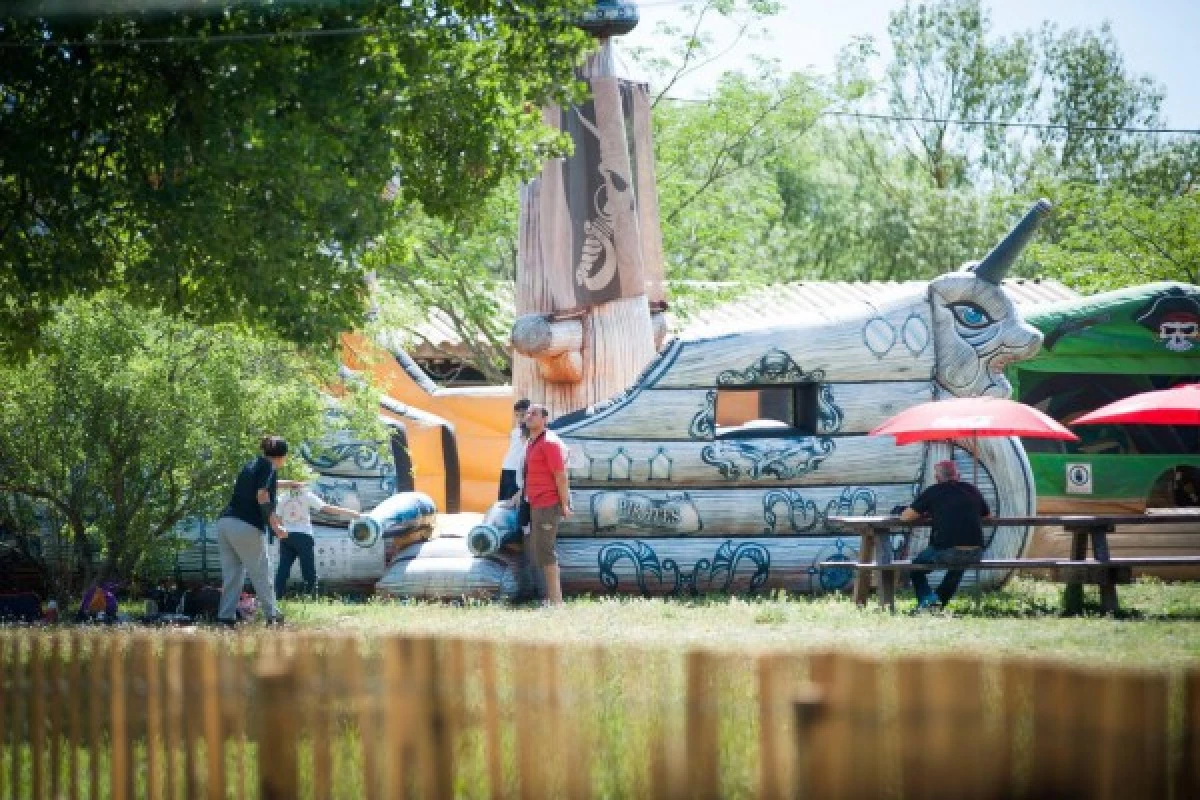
(548, 495)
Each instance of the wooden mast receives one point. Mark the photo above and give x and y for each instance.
(588, 226)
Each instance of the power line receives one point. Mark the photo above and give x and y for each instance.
(218, 38)
(967, 123)
(1006, 124)
(303, 33)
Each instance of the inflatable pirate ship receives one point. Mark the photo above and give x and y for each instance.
(710, 462)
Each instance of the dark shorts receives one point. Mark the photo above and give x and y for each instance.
(543, 534)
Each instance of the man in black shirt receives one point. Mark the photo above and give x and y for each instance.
(957, 537)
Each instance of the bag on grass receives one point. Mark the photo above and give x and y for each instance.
(247, 607)
(202, 603)
(20, 607)
(99, 603)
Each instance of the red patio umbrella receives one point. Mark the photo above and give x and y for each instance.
(961, 417)
(974, 417)
(1177, 406)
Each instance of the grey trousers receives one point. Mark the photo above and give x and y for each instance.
(244, 552)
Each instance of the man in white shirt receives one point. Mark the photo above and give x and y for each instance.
(297, 504)
(514, 459)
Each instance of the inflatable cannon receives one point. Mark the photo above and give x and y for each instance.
(499, 527)
(404, 518)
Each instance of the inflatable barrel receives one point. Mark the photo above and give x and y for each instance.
(400, 515)
(499, 527)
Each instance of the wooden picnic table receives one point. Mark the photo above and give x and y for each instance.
(876, 534)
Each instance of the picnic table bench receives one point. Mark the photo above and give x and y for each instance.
(875, 554)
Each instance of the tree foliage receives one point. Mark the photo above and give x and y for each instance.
(722, 210)
(1089, 85)
(229, 165)
(857, 211)
(460, 270)
(1109, 238)
(722, 214)
(947, 68)
(128, 422)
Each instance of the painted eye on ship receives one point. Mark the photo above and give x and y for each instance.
(971, 315)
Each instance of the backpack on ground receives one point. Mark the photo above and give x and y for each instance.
(202, 603)
(99, 604)
(165, 600)
(20, 607)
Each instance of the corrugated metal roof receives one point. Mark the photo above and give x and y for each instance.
(436, 337)
(834, 299)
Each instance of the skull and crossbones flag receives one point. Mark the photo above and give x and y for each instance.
(1175, 318)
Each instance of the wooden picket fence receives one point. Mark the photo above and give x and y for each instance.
(109, 715)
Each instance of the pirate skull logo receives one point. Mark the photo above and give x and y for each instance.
(1179, 335)
(1175, 317)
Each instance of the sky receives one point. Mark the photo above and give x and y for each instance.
(1160, 38)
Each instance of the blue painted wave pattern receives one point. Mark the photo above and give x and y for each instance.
(803, 514)
(365, 455)
(704, 575)
(834, 579)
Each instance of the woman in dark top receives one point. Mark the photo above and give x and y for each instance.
(242, 529)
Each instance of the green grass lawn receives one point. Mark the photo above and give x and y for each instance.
(1158, 625)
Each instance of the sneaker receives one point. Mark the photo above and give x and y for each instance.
(227, 623)
(930, 603)
(276, 621)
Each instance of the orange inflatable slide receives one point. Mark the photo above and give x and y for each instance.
(456, 438)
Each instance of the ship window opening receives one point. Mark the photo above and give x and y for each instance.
(767, 411)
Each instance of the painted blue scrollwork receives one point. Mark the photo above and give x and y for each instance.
(775, 366)
(704, 423)
(727, 559)
(834, 579)
(365, 455)
(802, 513)
(335, 491)
(645, 561)
(854, 501)
(805, 517)
(387, 477)
(829, 414)
(735, 459)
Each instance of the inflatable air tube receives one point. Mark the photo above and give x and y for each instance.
(444, 569)
(399, 515)
(499, 527)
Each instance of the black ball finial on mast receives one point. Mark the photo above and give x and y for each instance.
(609, 18)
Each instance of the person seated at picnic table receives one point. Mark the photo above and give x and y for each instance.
(956, 539)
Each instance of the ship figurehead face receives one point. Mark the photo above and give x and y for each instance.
(977, 330)
(977, 333)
